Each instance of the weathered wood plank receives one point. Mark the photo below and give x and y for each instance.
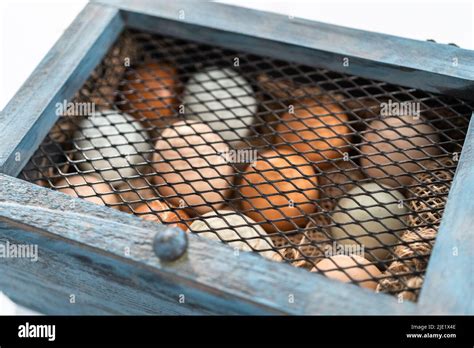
(89, 242)
(29, 116)
(449, 280)
(96, 285)
(425, 65)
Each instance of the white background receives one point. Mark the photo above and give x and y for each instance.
(28, 29)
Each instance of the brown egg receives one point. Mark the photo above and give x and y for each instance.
(191, 170)
(151, 92)
(319, 133)
(88, 187)
(349, 268)
(161, 212)
(279, 189)
(397, 146)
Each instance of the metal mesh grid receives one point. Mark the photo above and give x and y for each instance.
(289, 150)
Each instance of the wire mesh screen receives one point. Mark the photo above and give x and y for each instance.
(333, 173)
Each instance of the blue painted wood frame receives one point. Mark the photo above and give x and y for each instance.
(112, 252)
(449, 279)
(86, 242)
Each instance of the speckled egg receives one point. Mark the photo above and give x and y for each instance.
(112, 144)
(371, 215)
(237, 230)
(222, 99)
(394, 146)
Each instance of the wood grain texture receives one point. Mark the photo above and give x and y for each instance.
(31, 113)
(83, 247)
(98, 285)
(419, 64)
(449, 280)
(86, 243)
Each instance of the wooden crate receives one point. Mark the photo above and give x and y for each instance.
(104, 259)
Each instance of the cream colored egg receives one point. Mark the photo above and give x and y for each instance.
(394, 146)
(222, 99)
(114, 145)
(349, 269)
(237, 230)
(371, 215)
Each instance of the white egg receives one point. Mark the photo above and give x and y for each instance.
(114, 145)
(371, 215)
(223, 100)
(240, 231)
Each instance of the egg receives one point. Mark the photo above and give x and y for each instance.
(349, 269)
(113, 144)
(371, 215)
(394, 146)
(151, 92)
(223, 100)
(190, 168)
(88, 187)
(279, 189)
(320, 133)
(237, 230)
(161, 212)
